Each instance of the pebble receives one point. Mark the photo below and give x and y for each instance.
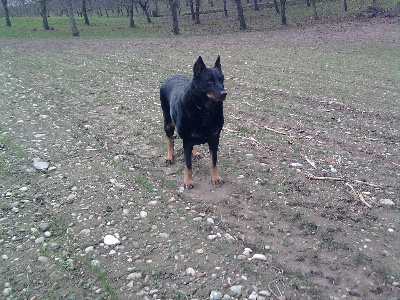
(85, 232)
(4, 257)
(23, 189)
(47, 234)
(210, 220)
(7, 291)
(43, 259)
(200, 251)
(265, 293)
(38, 164)
(135, 275)
(212, 237)
(198, 219)
(259, 257)
(143, 214)
(395, 283)
(89, 249)
(95, 263)
(44, 226)
(111, 240)
(387, 202)
(216, 295)
(253, 296)
(163, 235)
(236, 289)
(39, 240)
(354, 292)
(191, 272)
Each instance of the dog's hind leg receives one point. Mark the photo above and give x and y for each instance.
(169, 127)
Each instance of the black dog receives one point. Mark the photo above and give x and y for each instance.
(195, 108)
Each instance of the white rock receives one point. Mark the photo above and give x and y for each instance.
(210, 220)
(23, 189)
(47, 234)
(85, 232)
(236, 289)
(143, 214)
(39, 240)
(198, 219)
(134, 275)
(7, 292)
(253, 296)
(111, 240)
(95, 263)
(259, 257)
(212, 236)
(112, 252)
(296, 165)
(163, 235)
(89, 249)
(43, 259)
(4, 257)
(387, 202)
(38, 164)
(191, 272)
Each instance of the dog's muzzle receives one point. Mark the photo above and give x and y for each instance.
(217, 96)
(223, 95)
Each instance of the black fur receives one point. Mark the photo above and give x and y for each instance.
(195, 108)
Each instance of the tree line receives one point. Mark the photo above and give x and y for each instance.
(127, 8)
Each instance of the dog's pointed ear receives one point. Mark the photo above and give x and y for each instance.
(218, 63)
(198, 67)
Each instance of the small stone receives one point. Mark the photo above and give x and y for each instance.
(134, 276)
(198, 219)
(111, 240)
(112, 252)
(395, 283)
(125, 211)
(354, 292)
(210, 220)
(38, 164)
(387, 202)
(85, 232)
(95, 263)
(43, 259)
(296, 165)
(267, 248)
(71, 198)
(200, 251)
(39, 240)
(43, 226)
(216, 295)
(143, 214)
(4, 257)
(7, 292)
(89, 249)
(212, 237)
(190, 272)
(259, 257)
(265, 293)
(253, 296)
(236, 289)
(163, 235)
(47, 234)
(23, 189)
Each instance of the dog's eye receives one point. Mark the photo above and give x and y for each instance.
(211, 80)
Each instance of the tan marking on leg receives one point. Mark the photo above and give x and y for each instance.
(188, 179)
(215, 178)
(170, 125)
(195, 155)
(170, 153)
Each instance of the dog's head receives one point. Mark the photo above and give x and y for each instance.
(209, 80)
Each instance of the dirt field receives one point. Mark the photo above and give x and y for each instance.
(309, 154)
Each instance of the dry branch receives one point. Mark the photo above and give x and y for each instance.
(313, 177)
(358, 195)
(276, 131)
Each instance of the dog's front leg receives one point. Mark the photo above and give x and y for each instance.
(213, 146)
(188, 174)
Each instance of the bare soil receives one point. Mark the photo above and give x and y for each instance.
(309, 150)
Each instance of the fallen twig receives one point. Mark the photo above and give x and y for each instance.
(313, 177)
(310, 162)
(357, 195)
(276, 131)
(366, 183)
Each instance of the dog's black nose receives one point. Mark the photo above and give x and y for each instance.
(223, 95)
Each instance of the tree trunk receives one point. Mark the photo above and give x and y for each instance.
(345, 5)
(225, 9)
(242, 21)
(283, 12)
(71, 17)
(308, 3)
(145, 9)
(7, 13)
(192, 10)
(314, 7)
(197, 13)
(43, 13)
(174, 12)
(276, 7)
(256, 7)
(131, 20)
(84, 12)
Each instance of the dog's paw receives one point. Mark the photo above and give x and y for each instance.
(169, 161)
(188, 186)
(217, 181)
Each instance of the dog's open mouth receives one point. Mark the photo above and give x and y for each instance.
(217, 96)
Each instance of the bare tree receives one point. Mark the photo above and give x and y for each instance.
(225, 9)
(256, 7)
(7, 14)
(276, 7)
(242, 20)
(345, 5)
(72, 22)
(197, 12)
(131, 20)
(173, 4)
(283, 12)
(84, 12)
(314, 6)
(43, 13)
(144, 4)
